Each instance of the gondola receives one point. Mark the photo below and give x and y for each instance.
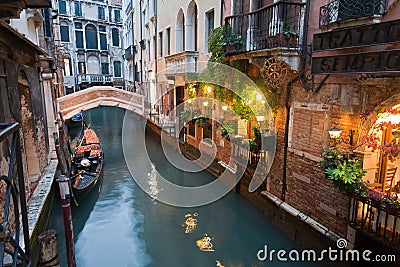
(75, 121)
(87, 163)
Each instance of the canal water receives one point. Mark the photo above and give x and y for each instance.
(120, 225)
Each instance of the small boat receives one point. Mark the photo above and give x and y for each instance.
(87, 163)
(76, 120)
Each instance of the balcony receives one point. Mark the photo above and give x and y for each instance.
(95, 78)
(276, 25)
(340, 10)
(129, 52)
(183, 62)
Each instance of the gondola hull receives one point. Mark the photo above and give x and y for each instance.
(87, 165)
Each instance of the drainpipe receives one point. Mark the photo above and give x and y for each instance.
(141, 38)
(133, 52)
(221, 20)
(287, 99)
(156, 52)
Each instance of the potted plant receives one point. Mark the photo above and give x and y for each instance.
(345, 171)
(290, 36)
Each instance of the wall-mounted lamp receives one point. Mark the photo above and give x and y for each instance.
(224, 108)
(335, 133)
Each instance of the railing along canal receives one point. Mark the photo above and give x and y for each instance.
(10, 248)
(376, 218)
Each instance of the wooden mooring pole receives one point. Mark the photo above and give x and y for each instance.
(63, 183)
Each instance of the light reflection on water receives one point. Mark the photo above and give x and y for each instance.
(123, 226)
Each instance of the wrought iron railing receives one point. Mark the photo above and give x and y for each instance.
(11, 251)
(276, 25)
(340, 10)
(377, 218)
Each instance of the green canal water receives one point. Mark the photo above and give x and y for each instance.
(120, 225)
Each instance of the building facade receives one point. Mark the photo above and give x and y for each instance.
(91, 43)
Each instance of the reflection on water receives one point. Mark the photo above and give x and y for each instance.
(123, 226)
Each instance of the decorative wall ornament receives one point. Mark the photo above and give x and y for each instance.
(274, 71)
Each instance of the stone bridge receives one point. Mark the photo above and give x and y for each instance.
(97, 96)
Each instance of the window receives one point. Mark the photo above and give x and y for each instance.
(101, 13)
(47, 25)
(67, 67)
(62, 7)
(105, 68)
(209, 27)
(154, 47)
(115, 37)
(168, 41)
(117, 68)
(102, 28)
(81, 68)
(207, 131)
(160, 40)
(64, 31)
(79, 39)
(78, 9)
(91, 37)
(192, 128)
(103, 41)
(78, 25)
(117, 15)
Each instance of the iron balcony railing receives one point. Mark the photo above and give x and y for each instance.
(14, 200)
(377, 219)
(276, 25)
(340, 10)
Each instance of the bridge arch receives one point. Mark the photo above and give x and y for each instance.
(97, 96)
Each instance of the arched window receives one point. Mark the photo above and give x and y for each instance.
(93, 65)
(115, 37)
(91, 37)
(191, 27)
(180, 32)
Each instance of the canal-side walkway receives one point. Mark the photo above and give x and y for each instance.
(38, 208)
